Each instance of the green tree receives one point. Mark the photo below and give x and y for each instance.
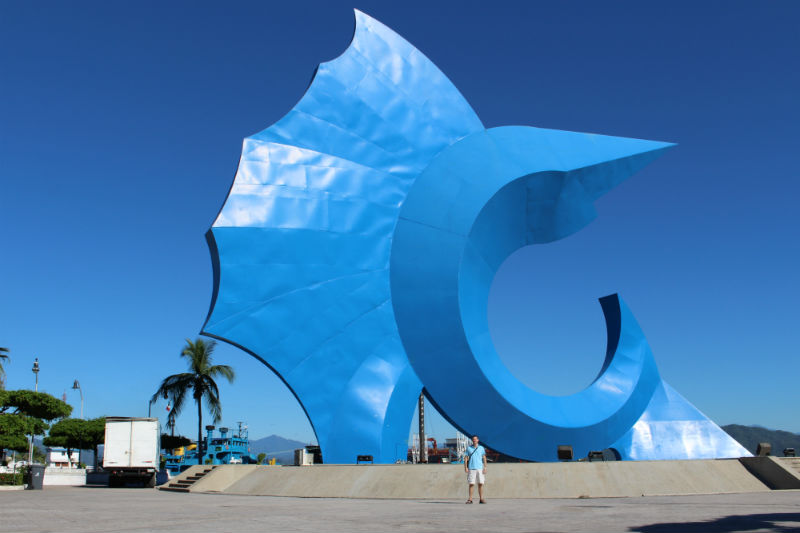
(24, 413)
(199, 381)
(39, 457)
(3, 357)
(69, 433)
(170, 442)
(77, 434)
(97, 435)
(15, 429)
(261, 457)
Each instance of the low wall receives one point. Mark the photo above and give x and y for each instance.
(503, 480)
(68, 477)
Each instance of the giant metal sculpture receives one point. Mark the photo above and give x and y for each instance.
(356, 249)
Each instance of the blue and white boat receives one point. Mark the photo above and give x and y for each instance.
(227, 448)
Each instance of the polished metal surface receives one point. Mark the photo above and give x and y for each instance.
(356, 248)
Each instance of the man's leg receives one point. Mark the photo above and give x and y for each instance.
(471, 487)
(480, 491)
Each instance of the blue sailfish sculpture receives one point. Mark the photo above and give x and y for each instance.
(354, 254)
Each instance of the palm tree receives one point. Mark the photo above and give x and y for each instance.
(200, 381)
(3, 355)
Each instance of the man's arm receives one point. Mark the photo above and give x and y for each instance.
(485, 460)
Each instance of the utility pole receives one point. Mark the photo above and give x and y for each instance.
(35, 371)
(423, 444)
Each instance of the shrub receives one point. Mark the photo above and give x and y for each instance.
(12, 479)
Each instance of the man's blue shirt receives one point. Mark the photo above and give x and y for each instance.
(475, 457)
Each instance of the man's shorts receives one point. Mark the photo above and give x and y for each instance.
(476, 474)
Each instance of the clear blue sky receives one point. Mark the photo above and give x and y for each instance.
(120, 131)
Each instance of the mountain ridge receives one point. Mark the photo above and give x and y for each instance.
(751, 436)
(281, 448)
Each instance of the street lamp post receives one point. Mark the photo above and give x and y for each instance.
(77, 386)
(35, 371)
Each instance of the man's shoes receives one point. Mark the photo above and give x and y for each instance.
(482, 501)
(469, 501)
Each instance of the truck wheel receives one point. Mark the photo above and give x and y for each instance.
(151, 481)
(114, 481)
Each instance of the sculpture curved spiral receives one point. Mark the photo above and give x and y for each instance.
(355, 250)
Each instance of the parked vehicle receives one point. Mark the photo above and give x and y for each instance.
(131, 452)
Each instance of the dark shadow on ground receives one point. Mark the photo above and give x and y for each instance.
(778, 522)
(130, 486)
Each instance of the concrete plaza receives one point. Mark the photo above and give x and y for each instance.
(100, 509)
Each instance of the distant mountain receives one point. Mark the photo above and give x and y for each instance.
(278, 447)
(750, 436)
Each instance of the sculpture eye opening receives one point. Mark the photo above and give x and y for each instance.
(543, 208)
(544, 321)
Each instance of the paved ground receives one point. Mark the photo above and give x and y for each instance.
(86, 509)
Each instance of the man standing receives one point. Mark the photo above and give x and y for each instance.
(475, 467)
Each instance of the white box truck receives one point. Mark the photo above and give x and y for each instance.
(131, 451)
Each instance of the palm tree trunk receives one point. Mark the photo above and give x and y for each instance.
(199, 432)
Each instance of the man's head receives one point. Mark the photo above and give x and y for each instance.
(474, 440)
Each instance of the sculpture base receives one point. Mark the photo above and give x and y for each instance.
(503, 480)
